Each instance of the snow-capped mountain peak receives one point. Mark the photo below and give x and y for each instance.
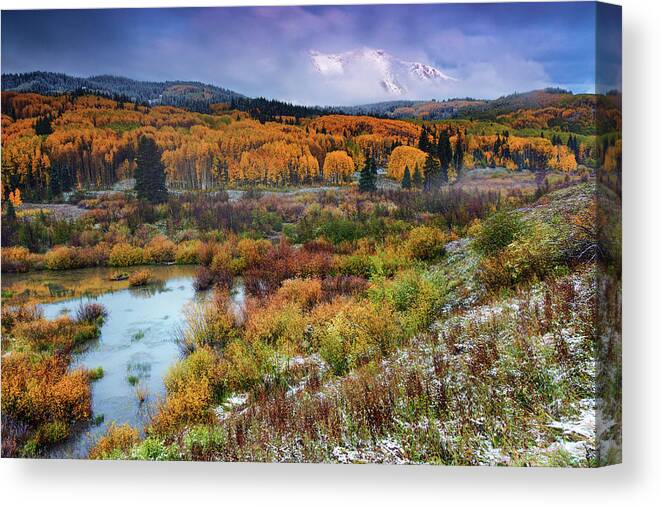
(394, 75)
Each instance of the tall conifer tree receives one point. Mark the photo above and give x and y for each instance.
(150, 172)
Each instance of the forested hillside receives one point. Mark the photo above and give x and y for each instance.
(554, 109)
(56, 143)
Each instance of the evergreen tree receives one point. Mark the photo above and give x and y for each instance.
(42, 126)
(150, 172)
(373, 168)
(367, 181)
(444, 152)
(406, 179)
(458, 158)
(55, 183)
(573, 145)
(417, 179)
(433, 174)
(423, 142)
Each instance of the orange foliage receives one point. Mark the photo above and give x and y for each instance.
(117, 439)
(352, 126)
(403, 157)
(42, 390)
(338, 166)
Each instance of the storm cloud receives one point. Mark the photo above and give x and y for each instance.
(490, 49)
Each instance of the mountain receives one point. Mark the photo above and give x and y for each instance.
(488, 109)
(379, 68)
(191, 94)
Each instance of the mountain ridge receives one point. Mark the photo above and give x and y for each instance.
(198, 96)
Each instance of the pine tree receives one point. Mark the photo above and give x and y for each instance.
(423, 142)
(55, 183)
(150, 172)
(406, 179)
(444, 153)
(42, 126)
(417, 179)
(459, 156)
(433, 174)
(367, 181)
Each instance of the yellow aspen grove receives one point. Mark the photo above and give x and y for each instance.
(403, 157)
(338, 166)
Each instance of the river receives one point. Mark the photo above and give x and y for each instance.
(136, 347)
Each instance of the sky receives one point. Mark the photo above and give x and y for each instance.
(488, 50)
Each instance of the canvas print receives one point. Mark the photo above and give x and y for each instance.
(323, 234)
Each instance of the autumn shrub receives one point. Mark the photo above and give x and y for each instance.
(42, 390)
(62, 257)
(212, 323)
(319, 245)
(307, 264)
(206, 251)
(387, 263)
(417, 296)
(89, 237)
(14, 314)
(69, 257)
(57, 335)
(283, 262)
(116, 443)
(160, 250)
(533, 255)
(223, 258)
(304, 292)
(203, 278)
(497, 232)
(324, 312)
(188, 252)
(354, 265)
(97, 255)
(91, 313)
(252, 251)
(16, 259)
(140, 278)
(493, 272)
(357, 335)
(202, 364)
(123, 254)
(245, 365)
(425, 243)
(341, 285)
(51, 432)
(280, 325)
(474, 228)
(188, 406)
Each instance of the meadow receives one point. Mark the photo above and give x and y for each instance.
(432, 300)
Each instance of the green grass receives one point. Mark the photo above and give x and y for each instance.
(120, 126)
(96, 373)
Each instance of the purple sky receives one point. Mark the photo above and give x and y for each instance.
(490, 49)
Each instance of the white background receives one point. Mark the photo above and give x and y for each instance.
(96, 484)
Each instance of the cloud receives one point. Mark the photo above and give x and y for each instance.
(491, 49)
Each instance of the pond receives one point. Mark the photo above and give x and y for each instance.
(136, 347)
